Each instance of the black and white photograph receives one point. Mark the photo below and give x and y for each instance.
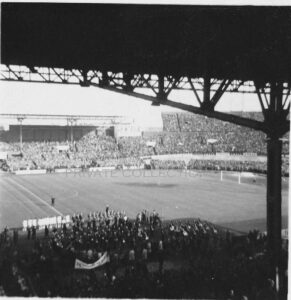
(144, 150)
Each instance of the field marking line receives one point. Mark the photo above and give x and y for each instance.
(20, 196)
(37, 197)
(18, 200)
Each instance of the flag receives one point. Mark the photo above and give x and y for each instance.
(100, 262)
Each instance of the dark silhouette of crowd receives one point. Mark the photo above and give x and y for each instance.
(147, 258)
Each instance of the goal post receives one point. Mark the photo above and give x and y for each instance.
(234, 174)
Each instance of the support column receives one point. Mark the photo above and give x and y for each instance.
(127, 79)
(206, 104)
(274, 204)
(161, 94)
(276, 125)
(104, 80)
(72, 136)
(206, 90)
(20, 136)
(70, 123)
(20, 120)
(85, 82)
(274, 119)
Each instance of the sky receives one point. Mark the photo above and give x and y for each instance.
(52, 99)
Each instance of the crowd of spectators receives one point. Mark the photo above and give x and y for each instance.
(217, 165)
(134, 147)
(231, 165)
(182, 133)
(90, 151)
(168, 164)
(147, 258)
(193, 258)
(194, 131)
(174, 122)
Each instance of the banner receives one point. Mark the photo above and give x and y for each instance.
(151, 143)
(211, 141)
(49, 221)
(29, 172)
(100, 262)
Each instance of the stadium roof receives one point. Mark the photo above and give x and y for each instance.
(244, 43)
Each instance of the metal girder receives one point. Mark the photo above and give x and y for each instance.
(274, 98)
(257, 125)
(118, 79)
(195, 91)
(209, 102)
(275, 106)
(117, 119)
(161, 85)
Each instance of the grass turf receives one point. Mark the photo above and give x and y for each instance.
(173, 194)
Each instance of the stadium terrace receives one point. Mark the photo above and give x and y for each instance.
(81, 148)
(142, 256)
(192, 205)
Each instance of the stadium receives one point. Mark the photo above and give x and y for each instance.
(110, 189)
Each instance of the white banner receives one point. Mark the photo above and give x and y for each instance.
(30, 172)
(50, 221)
(151, 143)
(211, 141)
(100, 262)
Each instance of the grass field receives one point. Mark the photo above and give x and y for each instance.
(173, 194)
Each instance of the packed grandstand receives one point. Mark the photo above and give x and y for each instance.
(143, 257)
(182, 133)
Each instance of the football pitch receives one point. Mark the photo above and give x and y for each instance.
(173, 194)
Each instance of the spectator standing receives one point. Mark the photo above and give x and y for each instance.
(28, 233)
(144, 259)
(33, 230)
(46, 231)
(15, 236)
(64, 229)
(6, 233)
(161, 255)
(131, 257)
